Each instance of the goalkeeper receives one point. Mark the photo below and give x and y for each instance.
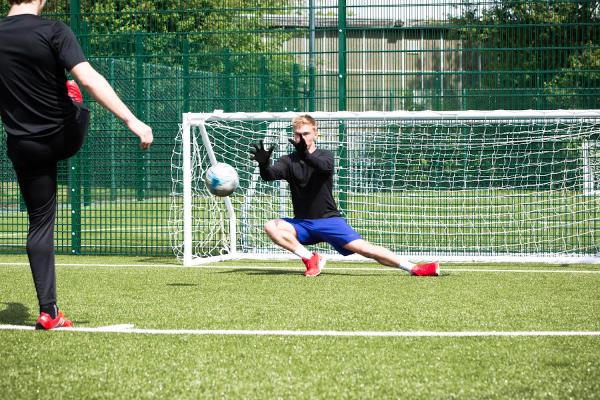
(46, 122)
(309, 173)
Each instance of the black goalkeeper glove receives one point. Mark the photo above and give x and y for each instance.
(259, 154)
(301, 148)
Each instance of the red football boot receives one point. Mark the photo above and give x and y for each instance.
(428, 269)
(314, 265)
(46, 322)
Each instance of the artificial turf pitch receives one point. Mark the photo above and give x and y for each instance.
(153, 329)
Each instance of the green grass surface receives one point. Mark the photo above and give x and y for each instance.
(155, 293)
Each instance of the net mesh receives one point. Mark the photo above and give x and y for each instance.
(443, 187)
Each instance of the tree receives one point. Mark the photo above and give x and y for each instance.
(530, 48)
(578, 84)
(210, 26)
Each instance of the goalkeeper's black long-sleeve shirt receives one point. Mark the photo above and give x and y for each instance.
(310, 180)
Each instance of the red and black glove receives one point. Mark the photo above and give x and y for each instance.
(74, 92)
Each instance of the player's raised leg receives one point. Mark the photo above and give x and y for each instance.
(387, 257)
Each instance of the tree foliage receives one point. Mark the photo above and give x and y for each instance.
(211, 27)
(544, 48)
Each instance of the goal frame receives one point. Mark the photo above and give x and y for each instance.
(199, 119)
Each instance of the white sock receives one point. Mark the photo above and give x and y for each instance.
(406, 265)
(302, 252)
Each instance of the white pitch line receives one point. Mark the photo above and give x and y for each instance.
(283, 268)
(532, 271)
(115, 328)
(125, 328)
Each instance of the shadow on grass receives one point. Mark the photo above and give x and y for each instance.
(15, 314)
(325, 273)
(259, 271)
(18, 314)
(182, 284)
(166, 260)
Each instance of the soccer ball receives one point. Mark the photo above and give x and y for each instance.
(221, 179)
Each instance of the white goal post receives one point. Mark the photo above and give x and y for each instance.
(486, 186)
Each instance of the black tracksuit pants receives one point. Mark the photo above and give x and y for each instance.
(35, 162)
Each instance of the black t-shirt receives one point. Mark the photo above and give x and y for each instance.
(34, 54)
(310, 180)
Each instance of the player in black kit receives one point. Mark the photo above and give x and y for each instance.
(46, 122)
(309, 173)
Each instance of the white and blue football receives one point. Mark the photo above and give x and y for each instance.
(221, 179)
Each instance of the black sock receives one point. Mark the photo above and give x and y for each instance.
(50, 309)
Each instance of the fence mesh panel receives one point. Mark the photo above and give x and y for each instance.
(169, 57)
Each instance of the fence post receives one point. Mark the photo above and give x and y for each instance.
(185, 61)
(296, 87)
(87, 156)
(227, 84)
(75, 16)
(139, 111)
(342, 55)
(343, 148)
(75, 196)
(264, 83)
(113, 146)
(312, 79)
(437, 92)
(86, 160)
(74, 163)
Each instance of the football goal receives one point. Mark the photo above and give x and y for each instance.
(453, 186)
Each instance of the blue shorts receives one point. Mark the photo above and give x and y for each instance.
(334, 230)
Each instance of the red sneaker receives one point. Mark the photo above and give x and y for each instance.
(46, 322)
(314, 265)
(428, 269)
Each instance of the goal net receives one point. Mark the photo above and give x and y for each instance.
(472, 185)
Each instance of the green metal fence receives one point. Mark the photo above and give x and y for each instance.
(173, 56)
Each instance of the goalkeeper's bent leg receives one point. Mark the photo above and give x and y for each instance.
(283, 234)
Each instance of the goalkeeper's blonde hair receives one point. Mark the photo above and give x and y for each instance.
(304, 119)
